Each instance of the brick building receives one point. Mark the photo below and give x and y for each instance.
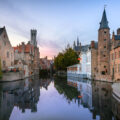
(6, 50)
(115, 56)
(105, 54)
(28, 54)
(45, 63)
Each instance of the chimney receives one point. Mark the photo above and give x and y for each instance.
(118, 31)
(92, 44)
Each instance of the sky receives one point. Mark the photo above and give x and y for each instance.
(58, 22)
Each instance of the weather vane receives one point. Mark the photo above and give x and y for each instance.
(105, 6)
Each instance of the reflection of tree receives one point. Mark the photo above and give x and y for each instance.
(68, 91)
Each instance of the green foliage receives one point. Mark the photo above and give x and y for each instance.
(65, 59)
(0, 69)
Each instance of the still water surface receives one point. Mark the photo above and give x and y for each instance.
(58, 99)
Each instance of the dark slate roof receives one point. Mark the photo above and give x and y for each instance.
(118, 45)
(96, 45)
(77, 48)
(117, 37)
(104, 21)
(82, 48)
(85, 48)
(1, 30)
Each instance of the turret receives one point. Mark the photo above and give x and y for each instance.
(104, 21)
(33, 37)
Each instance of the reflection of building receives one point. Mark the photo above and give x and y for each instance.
(23, 94)
(45, 83)
(85, 89)
(116, 100)
(101, 95)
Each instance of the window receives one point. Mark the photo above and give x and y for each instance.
(104, 46)
(4, 36)
(7, 54)
(105, 32)
(104, 66)
(104, 55)
(4, 43)
(104, 39)
(103, 72)
(4, 63)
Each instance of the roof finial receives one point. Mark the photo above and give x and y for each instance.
(105, 6)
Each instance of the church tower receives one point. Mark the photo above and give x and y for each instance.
(104, 46)
(33, 37)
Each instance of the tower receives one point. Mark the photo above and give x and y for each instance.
(33, 37)
(104, 46)
(77, 41)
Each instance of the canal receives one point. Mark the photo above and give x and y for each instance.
(58, 99)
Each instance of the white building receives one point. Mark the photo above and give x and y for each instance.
(83, 69)
(86, 63)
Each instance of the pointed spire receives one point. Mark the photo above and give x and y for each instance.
(77, 41)
(104, 21)
(74, 44)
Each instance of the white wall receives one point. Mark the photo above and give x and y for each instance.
(86, 62)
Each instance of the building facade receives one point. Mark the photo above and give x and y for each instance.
(29, 55)
(6, 50)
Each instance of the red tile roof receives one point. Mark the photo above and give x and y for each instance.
(28, 48)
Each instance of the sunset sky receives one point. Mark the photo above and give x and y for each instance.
(58, 22)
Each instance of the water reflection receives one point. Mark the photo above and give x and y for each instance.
(101, 94)
(85, 91)
(97, 97)
(59, 99)
(22, 94)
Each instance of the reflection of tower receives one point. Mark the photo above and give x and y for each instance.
(33, 37)
(101, 100)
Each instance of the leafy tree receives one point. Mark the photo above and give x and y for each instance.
(0, 69)
(66, 58)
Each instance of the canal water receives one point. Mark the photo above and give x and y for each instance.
(58, 99)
